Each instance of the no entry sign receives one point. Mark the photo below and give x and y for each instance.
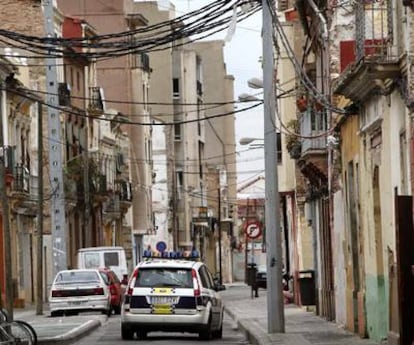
(253, 230)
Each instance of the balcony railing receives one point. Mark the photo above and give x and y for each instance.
(96, 104)
(125, 191)
(313, 124)
(199, 88)
(101, 184)
(64, 94)
(21, 182)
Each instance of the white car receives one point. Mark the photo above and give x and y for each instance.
(172, 296)
(78, 290)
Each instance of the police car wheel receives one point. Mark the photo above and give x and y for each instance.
(141, 335)
(127, 333)
(207, 333)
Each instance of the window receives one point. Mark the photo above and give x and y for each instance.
(91, 260)
(80, 276)
(111, 259)
(173, 277)
(279, 147)
(205, 277)
(177, 131)
(176, 88)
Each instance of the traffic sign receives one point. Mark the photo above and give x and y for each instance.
(253, 230)
(161, 246)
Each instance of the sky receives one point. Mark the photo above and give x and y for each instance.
(242, 58)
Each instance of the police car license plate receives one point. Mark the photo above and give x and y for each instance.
(162, 309)
(164, 300)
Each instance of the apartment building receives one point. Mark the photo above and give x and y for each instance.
(125, 81)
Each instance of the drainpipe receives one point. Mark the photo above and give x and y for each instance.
(326, 93)
(5, 208)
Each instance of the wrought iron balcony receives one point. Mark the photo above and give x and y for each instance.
(312, 125)
(21, 198)
(64, 94)
(371, 62)
(21, 182)
(111, 207)
(124, 190)
(96, 103)
(199, 88)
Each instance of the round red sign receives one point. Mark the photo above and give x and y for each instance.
(253, 230)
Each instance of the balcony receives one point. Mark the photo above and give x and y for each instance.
(22, 201)
(312, 125)
(96, 103)
(199, 88)
(145, 62)
(371, 62)
(71, 192)
(64, 94)
(367, 77)
(124, 189)
(111, 208)
(100, 191)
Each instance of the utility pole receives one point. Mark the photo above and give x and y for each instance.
(57, 211)
(39, 263)
(219, 232)
(5, 209)
(275, 303)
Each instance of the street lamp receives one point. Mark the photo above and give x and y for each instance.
(248, 140)
(245, 97)
(255, 83)
(275, 303)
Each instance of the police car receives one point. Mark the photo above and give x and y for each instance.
(172, 295)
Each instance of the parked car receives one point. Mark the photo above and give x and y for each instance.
(115, 289)
(78, 290)
(261, 276)
(172, 296)
(111, 257)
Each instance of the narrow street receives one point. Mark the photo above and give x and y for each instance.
(110, 333)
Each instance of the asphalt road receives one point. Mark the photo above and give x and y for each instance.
(110, 333)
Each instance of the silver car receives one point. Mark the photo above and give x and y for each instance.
(78, 290)
(172, 296)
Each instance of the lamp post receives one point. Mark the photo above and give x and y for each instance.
(275, 303)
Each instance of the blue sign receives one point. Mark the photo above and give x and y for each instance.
(161, 246)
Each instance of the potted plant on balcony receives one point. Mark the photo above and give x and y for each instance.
(302, 103)
(293, 142)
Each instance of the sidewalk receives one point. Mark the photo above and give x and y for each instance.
(249, 315)
(62, 330)
(302, 327)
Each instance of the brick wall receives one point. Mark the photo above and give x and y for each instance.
(23, 16)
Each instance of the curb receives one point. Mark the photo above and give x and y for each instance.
(73, 335)
(255, 333)
(242, 326)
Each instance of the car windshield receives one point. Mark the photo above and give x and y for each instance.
(164, 277)
(77, 277)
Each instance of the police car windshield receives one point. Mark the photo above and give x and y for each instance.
(164, 277)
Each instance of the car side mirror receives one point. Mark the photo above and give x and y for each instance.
(124, 280)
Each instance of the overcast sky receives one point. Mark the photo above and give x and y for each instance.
(242, 58)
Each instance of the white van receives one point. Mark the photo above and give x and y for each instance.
(100, 257)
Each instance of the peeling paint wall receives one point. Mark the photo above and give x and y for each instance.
(384, 122)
